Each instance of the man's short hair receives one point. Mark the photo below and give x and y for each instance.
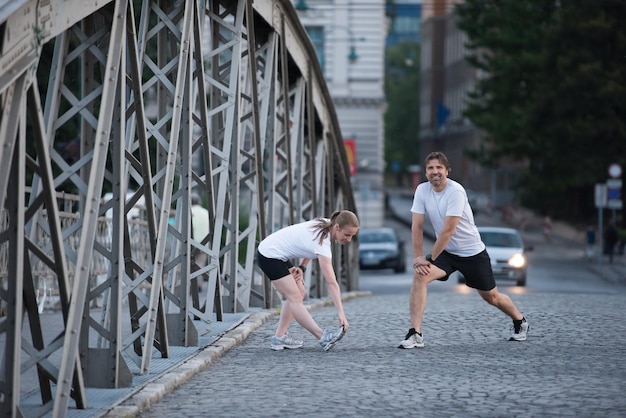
(438, 155)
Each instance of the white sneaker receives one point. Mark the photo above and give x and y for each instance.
(280, 343)
(519, 333)
(412, 341)
(330, 338)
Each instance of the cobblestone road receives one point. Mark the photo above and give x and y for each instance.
(573, 364)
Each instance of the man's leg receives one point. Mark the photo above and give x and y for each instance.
(502, 302)
(417, 304)
(419, 292)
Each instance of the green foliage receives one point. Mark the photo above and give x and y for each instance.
(554, 98)
(402, 93)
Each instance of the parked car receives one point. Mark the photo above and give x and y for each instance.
(507, 252)
(381, 248)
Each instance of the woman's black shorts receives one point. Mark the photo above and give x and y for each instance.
(272, 267)
(476, 269)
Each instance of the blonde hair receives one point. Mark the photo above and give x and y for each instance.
(342, 218)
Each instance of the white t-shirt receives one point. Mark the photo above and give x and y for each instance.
(452, 201)
(296, 241)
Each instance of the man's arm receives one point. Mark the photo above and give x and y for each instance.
(449, 227)
(417, 233)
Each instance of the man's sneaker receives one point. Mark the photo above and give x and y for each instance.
(280, 343)
(519, 331)
(412, 340)
(330, 338)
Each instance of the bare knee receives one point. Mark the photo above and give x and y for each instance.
(419, 279)
(491, 297)
(425, 279)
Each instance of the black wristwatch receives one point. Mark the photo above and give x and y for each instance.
(429, 258)
(301, 267)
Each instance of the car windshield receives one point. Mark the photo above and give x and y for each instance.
(501, 239)
(376, 236)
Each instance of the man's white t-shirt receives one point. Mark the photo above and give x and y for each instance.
(451, 201)
(296, 241)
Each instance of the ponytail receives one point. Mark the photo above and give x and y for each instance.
(342, 218)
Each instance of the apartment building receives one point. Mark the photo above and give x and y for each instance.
(349, 37)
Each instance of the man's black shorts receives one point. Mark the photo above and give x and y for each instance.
(476, 269)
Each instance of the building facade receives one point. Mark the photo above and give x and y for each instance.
(445, 81)
(349, 39)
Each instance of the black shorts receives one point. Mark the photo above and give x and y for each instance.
(273, 267)
(476, 269)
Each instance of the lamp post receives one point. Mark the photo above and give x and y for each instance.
(302, 6)
(353, 56)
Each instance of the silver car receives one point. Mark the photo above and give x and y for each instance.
(507, 252)
(381, 248)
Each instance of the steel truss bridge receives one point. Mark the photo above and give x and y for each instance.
(113, 113)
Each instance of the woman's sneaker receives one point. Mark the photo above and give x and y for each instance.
(412, 340)
(330, 338)
(280, 343)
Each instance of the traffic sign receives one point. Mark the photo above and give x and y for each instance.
(615, 170)
(614, 193)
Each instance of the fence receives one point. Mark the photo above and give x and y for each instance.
(44, 277)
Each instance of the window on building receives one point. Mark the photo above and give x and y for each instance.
(316, 34)
(405, 25)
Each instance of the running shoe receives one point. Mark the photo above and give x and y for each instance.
(330, 338)
(286, 341)
(519, 331)
(412, 340)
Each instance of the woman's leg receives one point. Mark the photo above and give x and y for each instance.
(286, 314)
(293, 308)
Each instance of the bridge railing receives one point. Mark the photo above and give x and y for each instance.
(126, 103)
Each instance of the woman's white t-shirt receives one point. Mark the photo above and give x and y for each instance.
(451, 201)
(296, 241)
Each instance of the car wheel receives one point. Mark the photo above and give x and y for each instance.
(401, 268)
(521, 281)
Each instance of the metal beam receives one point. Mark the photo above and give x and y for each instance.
(129, 105)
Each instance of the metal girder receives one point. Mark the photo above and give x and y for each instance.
(111, 117)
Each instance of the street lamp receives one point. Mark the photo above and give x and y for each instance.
(353, 56)
(302, 6)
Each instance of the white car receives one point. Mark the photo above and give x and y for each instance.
(507, 252)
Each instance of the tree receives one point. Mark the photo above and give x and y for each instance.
(402, 116)
(578, 116)
(554, 92)
(505, 42)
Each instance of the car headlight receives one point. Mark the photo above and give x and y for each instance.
(517, 261)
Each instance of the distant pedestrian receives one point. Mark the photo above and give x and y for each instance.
(305, 241)
(458, 247)
(591, 242)
(610, 240)
(547, 228)
(200, 228)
